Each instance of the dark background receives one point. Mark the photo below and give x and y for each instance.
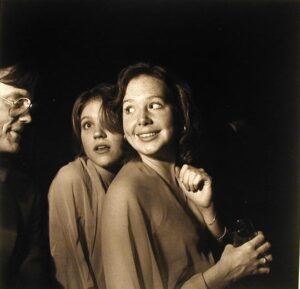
(241, 59)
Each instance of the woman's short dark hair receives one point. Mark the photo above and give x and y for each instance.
(108, 117)
(20, 76)
(179, 93)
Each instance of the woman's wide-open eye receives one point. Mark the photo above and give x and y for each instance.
(86, 125)
(128, 109)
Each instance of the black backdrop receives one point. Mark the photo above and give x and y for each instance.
(240, 59)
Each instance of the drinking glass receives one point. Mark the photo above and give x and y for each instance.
(241, 231)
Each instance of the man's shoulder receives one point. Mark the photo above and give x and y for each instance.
(18, 176)
(23, 189)
(19, 181)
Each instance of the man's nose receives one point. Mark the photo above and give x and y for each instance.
(25, 117)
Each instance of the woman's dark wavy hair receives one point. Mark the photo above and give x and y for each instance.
(20, 76)
(107, 116)
(179, 94)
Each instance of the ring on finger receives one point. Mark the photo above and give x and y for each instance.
(265, 260)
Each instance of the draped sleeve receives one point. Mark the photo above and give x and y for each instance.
(75, 196)
(127, 251)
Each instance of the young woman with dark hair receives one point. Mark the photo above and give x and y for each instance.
(77, 192)
(159, 215)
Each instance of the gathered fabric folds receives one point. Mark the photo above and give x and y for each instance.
(150, 238)
(76, 197)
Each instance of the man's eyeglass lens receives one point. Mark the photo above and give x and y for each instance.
(20, 106)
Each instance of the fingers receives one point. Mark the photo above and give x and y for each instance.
(265, 260)
(177, 172)
(193, 179)
(187, 180)
(261, 270)
(258, 240)
(247, 259)
(262, 249)
(268, 258)
(259, 246)
(182, 171)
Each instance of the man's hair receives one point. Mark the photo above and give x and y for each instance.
(108, 117)
(186, 121)
(19, 76)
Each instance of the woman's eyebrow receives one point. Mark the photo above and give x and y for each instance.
(127, 100)
(85, 117)
(148, 97)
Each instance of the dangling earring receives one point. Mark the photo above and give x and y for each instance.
(124, 136)
(184, 128)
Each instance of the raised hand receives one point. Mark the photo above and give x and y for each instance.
(196, 185)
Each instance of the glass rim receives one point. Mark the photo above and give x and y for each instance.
(13, 102)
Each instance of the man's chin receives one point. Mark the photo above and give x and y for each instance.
(10, 148)
(15, 149)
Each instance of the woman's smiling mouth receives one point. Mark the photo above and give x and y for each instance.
(147, 136)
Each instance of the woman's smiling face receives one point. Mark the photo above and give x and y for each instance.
(148, 118)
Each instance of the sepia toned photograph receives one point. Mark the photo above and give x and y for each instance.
(149, 144)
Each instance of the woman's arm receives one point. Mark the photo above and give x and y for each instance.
(235, 263)
(197, 187)
(209, 218)
(71, 263)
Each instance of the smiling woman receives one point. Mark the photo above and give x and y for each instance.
(159, 220)
(148, 118)
(77, 192)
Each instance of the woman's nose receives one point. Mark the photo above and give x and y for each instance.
(99, 133)
(144, 118)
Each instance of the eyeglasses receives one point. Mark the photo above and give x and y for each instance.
(19, 106)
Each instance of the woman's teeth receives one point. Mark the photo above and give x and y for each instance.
(145, 135)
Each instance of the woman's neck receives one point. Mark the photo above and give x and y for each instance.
(166, 169)
(107, 174)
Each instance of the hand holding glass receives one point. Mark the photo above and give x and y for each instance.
(241, 231)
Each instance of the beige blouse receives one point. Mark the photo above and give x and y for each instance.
(150, 238)
(75, 206)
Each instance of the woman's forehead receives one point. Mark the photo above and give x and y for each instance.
(145, 85)
(92, 106)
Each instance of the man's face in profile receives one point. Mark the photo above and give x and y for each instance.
(11, 124)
